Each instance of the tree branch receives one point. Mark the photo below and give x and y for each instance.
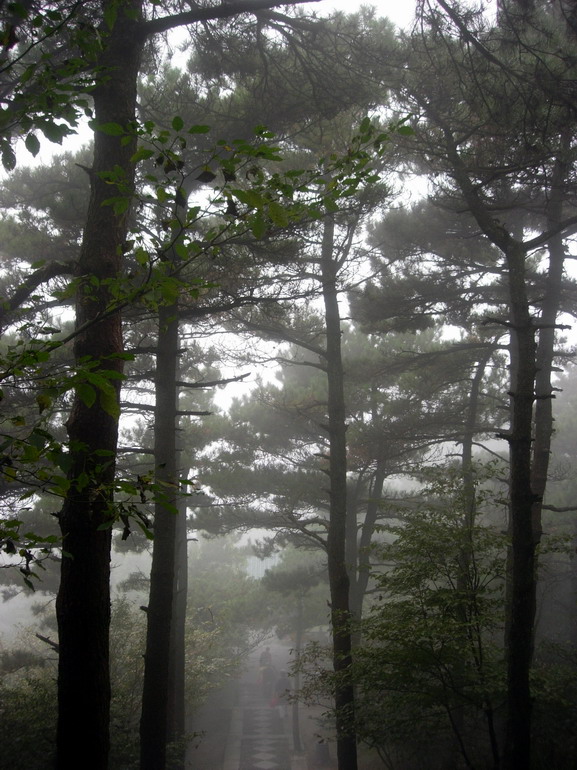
(54, 645)
(212, 383)
(31, 283)
(223, 11)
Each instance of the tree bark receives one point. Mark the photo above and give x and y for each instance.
(177, 654)
(296, 731)
(522, 580)
(359, 586)
(154, 723)
(546, 344)
(83, 602)
(524, 539)
(336, 540)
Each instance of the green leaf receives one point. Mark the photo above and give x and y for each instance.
(177, 123)
(86, 393)
(55, 132)
(250, 198)
(8, 158)
(32, 144)
(365, 126)
(109, 402)
(258, 226)
(405, 131)
(121, 205)
(18, 9)
(199, 129)
(278, 214)
(331, 205)
(44, 401)
(110, 14)
(112, 129)
(142, 154)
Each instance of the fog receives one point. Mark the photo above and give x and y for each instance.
(288, 386)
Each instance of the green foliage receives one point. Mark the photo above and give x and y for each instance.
(46, 68)
(301, 581)
(431, 637)
(127, 644)
(33, 457)
(226, 608)
(28, 719)
(28, 715)
(554, 686)
(430, 652)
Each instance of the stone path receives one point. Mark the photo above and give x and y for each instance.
(264, 744)
(241, 730)
(258, 738)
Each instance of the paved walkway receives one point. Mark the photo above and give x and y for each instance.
(242, 731)
(257, 738)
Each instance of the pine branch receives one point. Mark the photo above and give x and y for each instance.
(223, 11)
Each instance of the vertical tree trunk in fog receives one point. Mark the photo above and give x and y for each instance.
(336, 540)
(524, 539)
(534, 368)
(296, 731)
(155, 693)
(363, 566)
(162, 718)
(469, 517)
(177, 660)
(550, 306)
(524, 535)
(83, 603)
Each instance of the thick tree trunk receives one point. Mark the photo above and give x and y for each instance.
(338, 576)
(83, 603)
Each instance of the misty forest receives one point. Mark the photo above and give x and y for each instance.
(288, 386)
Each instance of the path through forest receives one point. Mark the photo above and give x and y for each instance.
(240, 730)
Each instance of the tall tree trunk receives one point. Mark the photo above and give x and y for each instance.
(467, 552)
(83, 602)
(296, 731)
(155, 693)
(338, 575)
(162, 718)
(529, 469)
(546, 345)
(352, 540)
(359, 586)
(177, 656)
(524, 539)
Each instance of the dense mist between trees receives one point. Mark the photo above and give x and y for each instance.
(288, 386)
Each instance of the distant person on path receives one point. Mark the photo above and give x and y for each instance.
(265, 658)
(268, 676)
